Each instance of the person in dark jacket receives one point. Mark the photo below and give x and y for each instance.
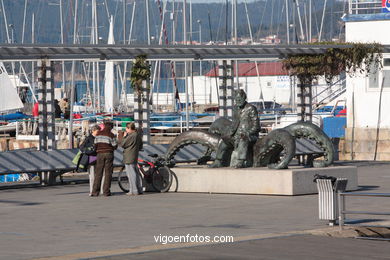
(65, 108)
(88, 148)
(132, 144)
(57, 109)
(106, 143)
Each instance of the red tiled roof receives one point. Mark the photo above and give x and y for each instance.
(249, 69)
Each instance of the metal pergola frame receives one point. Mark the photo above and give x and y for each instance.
(47, 53)
(102, 52)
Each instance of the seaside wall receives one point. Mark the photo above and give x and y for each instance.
(8, 144)
(364, 144)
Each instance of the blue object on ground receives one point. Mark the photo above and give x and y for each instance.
(9, 178)
(13, 116)
(334, 127)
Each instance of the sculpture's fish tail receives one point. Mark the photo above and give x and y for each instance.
(275, 150)
(192, 137)
(313, 132)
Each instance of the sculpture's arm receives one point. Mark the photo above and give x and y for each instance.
(254, 127)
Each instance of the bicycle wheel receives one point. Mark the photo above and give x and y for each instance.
(176, 181)
(123, 181)
(162, 179)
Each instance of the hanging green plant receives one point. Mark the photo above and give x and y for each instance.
(140, 71)
(359, 58)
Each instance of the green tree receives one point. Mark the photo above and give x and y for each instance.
(357, 58)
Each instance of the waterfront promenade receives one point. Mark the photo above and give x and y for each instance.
(63, 222)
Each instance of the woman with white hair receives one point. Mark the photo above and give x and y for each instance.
(88, 148)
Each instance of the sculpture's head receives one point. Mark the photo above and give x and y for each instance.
(240, 98)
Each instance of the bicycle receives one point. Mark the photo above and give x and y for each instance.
(156, 173)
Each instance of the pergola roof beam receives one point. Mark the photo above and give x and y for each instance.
(24, 52)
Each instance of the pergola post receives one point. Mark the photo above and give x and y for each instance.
(225, 88)
(46, 115)
(46, 118)
(305, 99)
(142, 112)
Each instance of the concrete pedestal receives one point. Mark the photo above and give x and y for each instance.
(292, 181)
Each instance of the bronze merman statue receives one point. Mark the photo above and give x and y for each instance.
(235, 143)
(239, 138)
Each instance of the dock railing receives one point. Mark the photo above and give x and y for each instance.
(342, 205)
(179, 125)
(365, 6)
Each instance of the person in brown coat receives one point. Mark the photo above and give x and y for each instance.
(132, 144)
(105, 143)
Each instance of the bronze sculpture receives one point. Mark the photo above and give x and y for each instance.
(236, 142)
(240, 137)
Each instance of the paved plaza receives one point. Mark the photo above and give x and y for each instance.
(64, 223)
(294, 247)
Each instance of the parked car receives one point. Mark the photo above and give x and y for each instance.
(269, 107)
(214, 109)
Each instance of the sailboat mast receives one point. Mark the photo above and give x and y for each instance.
(295, 38)
(235, 23)
(21, 68)
(256, 63)
(226, 22)
(95, 65)
(75, 22)
(186, 63)
(148, 20)
(248, 21)
(162, 33)
(322, 21)
(109, 88)
(23, 29)
(300, 20)
(124, 22)
(310, 20)
(32, 63)
(132, 22)
(236, 40)
(92, 41)
(124, 90)
(287, 23)
(62, 42)
(61, 23)
(24, 19)
(173, 63)
(173, 22)
(191, 31)
(72, 87)
(191, 64)
(8, 38)
(5, 21)
(306, 21)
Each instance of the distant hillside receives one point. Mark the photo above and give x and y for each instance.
(266, 17)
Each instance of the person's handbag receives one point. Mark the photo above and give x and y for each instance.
(84, 161)
(76, 159)
(92, 159)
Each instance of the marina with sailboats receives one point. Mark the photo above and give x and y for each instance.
(194, 129)
(183, 94)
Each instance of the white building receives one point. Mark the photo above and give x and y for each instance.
(269, 80)
(367, 105)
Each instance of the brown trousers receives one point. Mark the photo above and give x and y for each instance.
(104, 162)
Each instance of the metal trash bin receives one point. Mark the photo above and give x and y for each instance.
(328, 187)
